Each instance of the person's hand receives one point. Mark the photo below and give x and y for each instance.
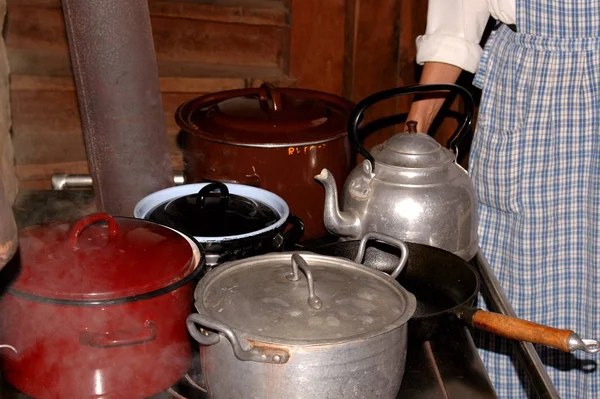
(423, 111)
(425, 107)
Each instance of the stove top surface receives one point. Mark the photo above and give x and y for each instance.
(447, 366)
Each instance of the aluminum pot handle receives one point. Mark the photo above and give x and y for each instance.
(298, 262)
(83, 223)
(387, 240)
(260, 354)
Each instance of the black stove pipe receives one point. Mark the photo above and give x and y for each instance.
(116, 76)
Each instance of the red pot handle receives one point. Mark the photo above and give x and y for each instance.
(113, 339)
(85, 222)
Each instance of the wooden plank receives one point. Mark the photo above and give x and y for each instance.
(35, 3)
(372, 41)
(413, 15)
(284, 81)
(167, 84)
(8, 181)
(245, 12)
(278, 16)
(210, 42)
(372, 56)
(177, 67)
(317, 44)
(47, 128)
(37, 45)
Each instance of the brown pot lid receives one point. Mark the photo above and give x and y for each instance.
(100, 257)
(266, 116)
(260, 297)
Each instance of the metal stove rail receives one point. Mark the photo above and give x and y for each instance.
(497, 301)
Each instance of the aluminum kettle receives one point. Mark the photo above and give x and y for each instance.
(409, 187)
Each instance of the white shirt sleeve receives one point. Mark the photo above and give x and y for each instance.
(454, 29)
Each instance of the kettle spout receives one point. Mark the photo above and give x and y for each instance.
(345, 224)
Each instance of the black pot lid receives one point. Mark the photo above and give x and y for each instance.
(215, 212)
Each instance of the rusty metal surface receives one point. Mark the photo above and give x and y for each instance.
(120, 104)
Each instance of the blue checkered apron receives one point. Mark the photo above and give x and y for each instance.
(535, 162)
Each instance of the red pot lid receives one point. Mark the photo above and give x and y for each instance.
(100, 257)
(266, 116)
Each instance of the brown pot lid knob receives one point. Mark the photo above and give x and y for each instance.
(269, 92)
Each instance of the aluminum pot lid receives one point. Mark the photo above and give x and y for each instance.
(214, 212)
(264, 298)
(266, 116)
(100, 257)
(412, 149)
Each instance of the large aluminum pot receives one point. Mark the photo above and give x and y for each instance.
(268, 137)
(335, 330)
(99, 309)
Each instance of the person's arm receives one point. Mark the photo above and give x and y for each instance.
(424, 111)
(449, 46)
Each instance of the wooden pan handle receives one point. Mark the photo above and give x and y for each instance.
(518, 329)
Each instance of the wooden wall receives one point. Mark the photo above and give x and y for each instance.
(346, 47)
(8, 181)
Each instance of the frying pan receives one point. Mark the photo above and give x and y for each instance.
(446, 286)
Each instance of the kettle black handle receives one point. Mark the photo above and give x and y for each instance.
(357, 113)
(223, 192)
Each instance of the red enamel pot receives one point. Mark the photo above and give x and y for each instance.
(99, 308)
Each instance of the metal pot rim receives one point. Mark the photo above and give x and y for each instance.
(277, 145)
(400, 321)
(147, 204)
(185, 112)
(199, 261)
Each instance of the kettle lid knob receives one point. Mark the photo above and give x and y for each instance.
(412, 126)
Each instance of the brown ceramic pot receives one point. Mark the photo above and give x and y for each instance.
(277, 139)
